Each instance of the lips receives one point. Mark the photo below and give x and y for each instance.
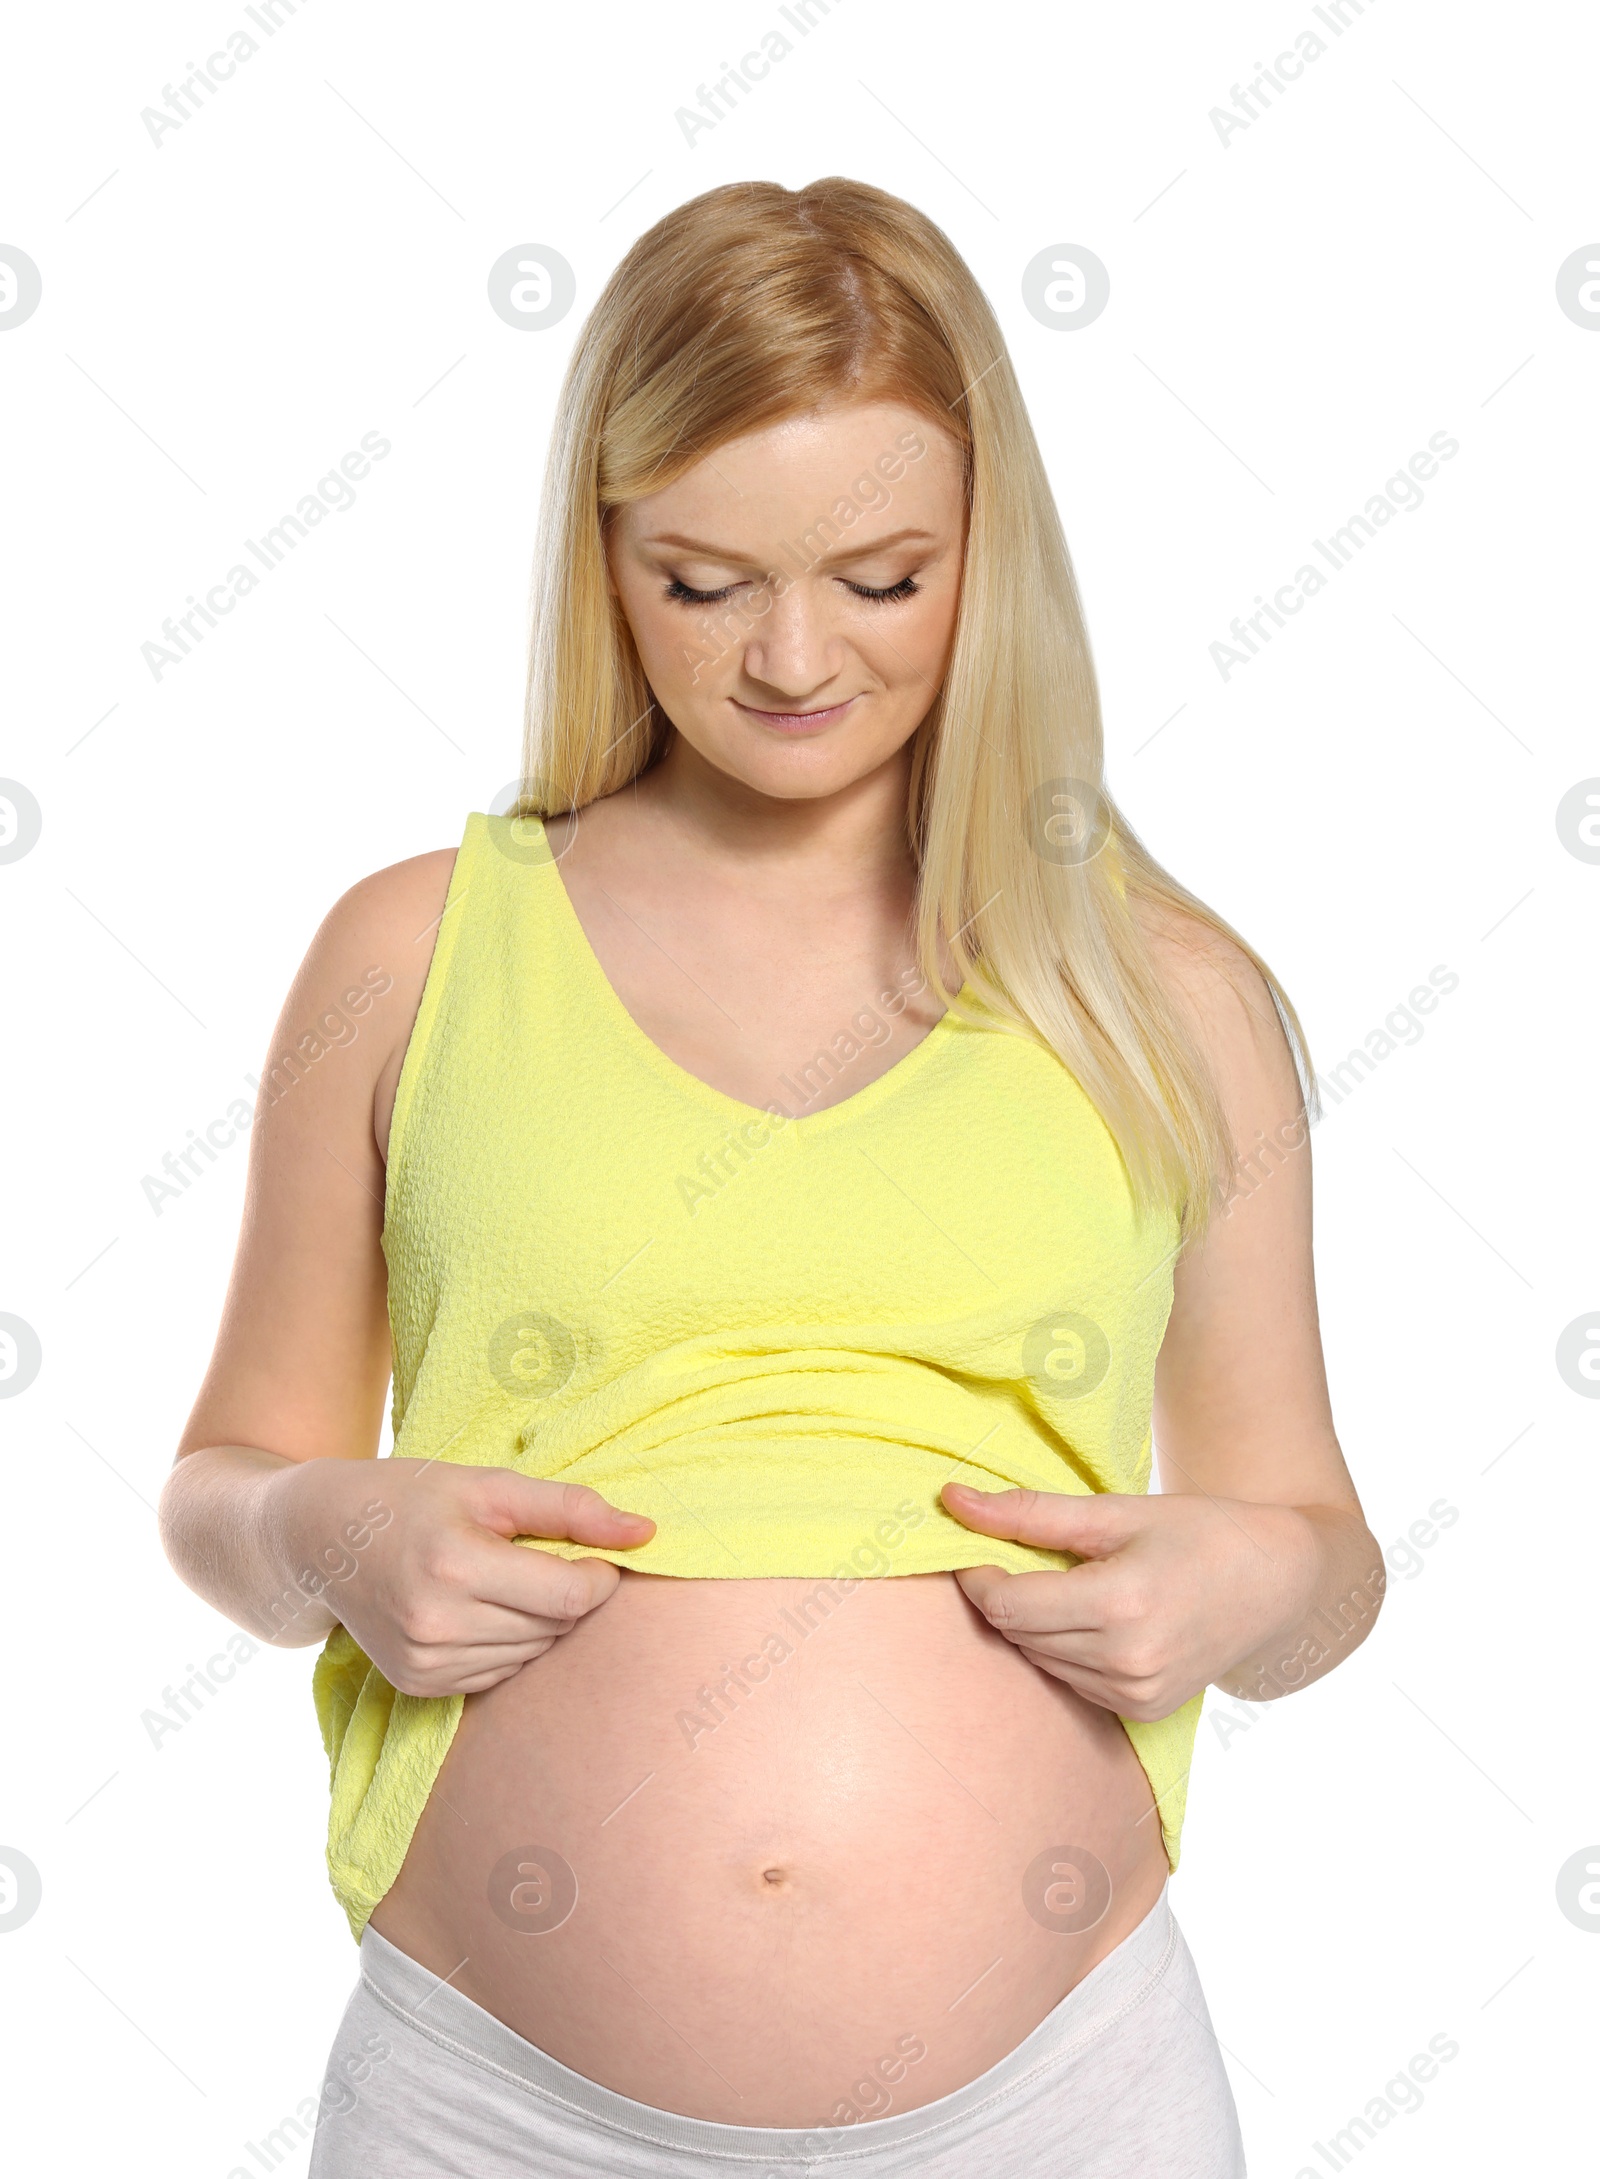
(797, 722)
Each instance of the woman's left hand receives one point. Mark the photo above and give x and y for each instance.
(1173, 1591)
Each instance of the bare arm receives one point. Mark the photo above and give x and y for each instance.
(1242, 1414)
(1254, 1569)
(301, 1362)
(277, 1511)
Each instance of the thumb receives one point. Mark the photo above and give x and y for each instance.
(1090, 1524)
(525, 1505)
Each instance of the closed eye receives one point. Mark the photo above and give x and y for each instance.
(906, 587)
(681, 594)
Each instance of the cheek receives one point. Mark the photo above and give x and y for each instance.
(677, 647)
(910, 647)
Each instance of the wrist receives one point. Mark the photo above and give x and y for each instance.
(1332, 1586)
(306, 1505)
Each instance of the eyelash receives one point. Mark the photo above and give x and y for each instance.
(906, 587)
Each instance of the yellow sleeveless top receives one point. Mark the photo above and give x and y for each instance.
(776, 1332)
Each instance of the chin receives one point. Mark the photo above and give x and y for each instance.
(801, 768)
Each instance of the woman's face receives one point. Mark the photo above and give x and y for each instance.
(793, 596)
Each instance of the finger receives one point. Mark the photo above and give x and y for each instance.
(481, 1682)
(525, 1580)
(1093, 1686)
(1088, 1523)
(1076, 1602)
(467, 1620)
(979, 1583)
(564, 1512)
(474, 1660)
(467, 1671)
(529, 1505)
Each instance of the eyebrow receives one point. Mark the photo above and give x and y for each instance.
(706, 551)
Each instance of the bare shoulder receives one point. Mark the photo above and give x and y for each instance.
(1227, 999)
(362, 977)
(381, 932)
(396, 908)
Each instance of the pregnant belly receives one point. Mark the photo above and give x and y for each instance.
(745, 1857)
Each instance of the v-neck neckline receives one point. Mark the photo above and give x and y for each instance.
(872, 1093)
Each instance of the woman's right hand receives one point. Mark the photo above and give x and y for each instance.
(415, 1559)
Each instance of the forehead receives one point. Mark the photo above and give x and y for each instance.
(891, 460)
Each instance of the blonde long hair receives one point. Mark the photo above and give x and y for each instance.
(753, 303)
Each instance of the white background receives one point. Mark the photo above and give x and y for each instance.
(1292, 315)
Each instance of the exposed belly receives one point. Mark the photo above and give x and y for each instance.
(828, 1896)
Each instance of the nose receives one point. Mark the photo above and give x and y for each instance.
(792, 649)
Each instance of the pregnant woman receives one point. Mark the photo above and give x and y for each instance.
(795, 1164)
